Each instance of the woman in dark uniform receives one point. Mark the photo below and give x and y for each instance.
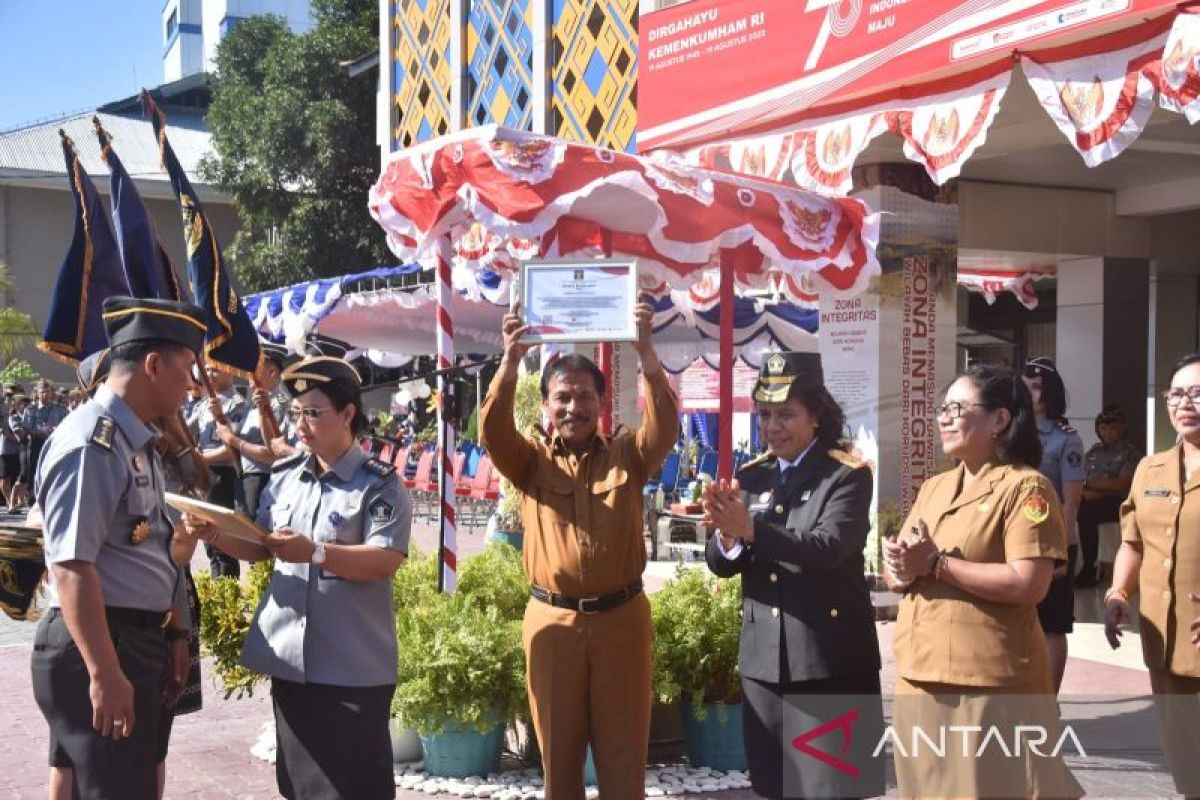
(325, 629)
(794, 524)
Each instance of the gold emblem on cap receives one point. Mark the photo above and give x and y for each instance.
(140, 532)
(775, 364)
(301, 384)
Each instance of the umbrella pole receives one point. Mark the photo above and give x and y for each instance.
(447, 539)
(725, 421)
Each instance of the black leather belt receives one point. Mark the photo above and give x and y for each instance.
(137, 617)
(587, 605)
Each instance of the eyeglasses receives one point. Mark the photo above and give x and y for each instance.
(1175, 397)
(310, 415)
(954, 409)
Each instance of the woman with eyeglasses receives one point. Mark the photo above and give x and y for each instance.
(325, 631)
(974, 558)
(1160, 558)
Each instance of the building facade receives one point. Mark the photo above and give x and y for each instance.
(192, 29)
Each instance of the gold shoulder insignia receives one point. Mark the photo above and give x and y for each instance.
(754, 462)
(377, 467)
(1034, 482)
(842, 457)
(102, 434)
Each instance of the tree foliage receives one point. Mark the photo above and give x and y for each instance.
(294, 136)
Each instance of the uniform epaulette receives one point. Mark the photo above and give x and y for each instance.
(380, 468)
(842, 457)
(754, 462)
(102, 434)
(1064, 426)
(288, 463)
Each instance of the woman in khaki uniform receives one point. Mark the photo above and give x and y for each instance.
(1160, 556)
(977, 554)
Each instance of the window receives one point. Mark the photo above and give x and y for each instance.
(172, 24)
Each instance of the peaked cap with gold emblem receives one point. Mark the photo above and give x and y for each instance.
(317, 371)
(781, 371)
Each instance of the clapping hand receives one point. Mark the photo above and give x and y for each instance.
(724, 509)
(909, 558)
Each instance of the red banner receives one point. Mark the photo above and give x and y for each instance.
(713, 69)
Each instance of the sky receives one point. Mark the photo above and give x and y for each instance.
(62, 56)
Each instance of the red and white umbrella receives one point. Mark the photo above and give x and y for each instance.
(492, 197)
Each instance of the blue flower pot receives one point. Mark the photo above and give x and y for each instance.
(515, 539)
(463, 752)
(716, 741)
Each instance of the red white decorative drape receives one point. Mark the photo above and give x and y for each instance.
(991, 283)
(1100, 93)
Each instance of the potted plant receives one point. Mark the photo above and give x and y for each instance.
(527, 412)
(697, 625)
(227, 607)
(461, 670)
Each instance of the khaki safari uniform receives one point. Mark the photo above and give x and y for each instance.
(1163, 514)
(985, 655)
(588, 674)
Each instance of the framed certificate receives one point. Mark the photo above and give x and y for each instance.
(586, 300)
(225, 520)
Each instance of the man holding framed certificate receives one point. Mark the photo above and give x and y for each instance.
(587, 626)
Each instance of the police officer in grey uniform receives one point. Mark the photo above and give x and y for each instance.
(325, 630)
(221, 461)
(1062, 463)
(247, 440)
(1108, 473)
(115, 635)
(40, 419)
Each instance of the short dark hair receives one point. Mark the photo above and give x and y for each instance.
(130, 354)
(999, 387)
(342, 393)
(831, 420)
(572, 362)
(1054, 391)
(1186, 361)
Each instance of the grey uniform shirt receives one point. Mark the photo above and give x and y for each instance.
(312, 626)
(1062, 459)
(251, 431)
(1112, 460)
(99, 478)
(41, 420)
(235, 408)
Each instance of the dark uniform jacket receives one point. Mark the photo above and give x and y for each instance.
(803, 581)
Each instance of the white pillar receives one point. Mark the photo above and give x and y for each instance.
(1079, 341)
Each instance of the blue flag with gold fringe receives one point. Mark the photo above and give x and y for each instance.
(90, 272)
(231, 343)
(147, 265)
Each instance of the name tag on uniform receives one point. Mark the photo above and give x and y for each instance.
(1157, 493)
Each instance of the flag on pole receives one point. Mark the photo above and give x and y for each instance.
(90, 272)
(147, 266)
(231, 343)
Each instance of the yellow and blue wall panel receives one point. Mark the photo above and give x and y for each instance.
(499, 54)
(422, 33)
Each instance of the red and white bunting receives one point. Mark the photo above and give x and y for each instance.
(1102, 101)
(1179, 70)
(943, 131)
(823, 156)
(992, 283)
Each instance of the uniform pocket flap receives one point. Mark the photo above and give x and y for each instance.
(616, 476)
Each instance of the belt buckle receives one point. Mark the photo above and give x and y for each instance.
(583, 609)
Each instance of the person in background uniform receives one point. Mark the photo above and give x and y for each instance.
(39, 421)
(247, 441)
(221, 461)
(1160, 558)
(1062, 463)
(587, 625)
(1108, 472)
(10, 451)
(113, 645)
(794, 525)
(194, 403)
(975, 556)
(325, 629)
(16, 424)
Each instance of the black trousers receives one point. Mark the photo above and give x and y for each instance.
(224, 492)
(1093, 514)
(779, 770)
(105, 769)
(333, 741)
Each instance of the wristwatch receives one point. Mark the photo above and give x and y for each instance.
(318, 555)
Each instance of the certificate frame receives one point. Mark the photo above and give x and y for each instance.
(545, 278)
(224, 519)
